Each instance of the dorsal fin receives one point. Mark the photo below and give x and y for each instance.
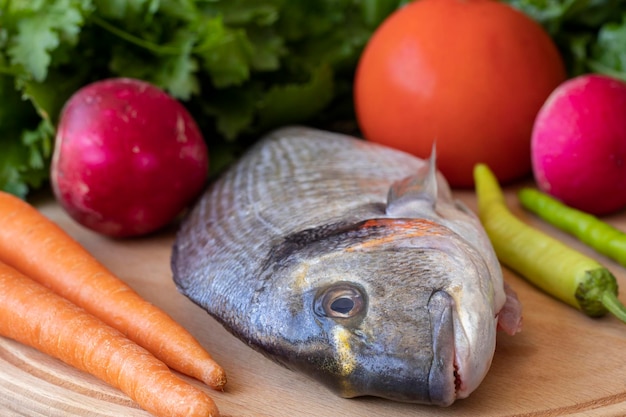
(415, 195)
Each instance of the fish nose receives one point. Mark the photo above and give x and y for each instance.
(441, 378)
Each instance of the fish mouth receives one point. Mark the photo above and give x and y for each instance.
(443, 378)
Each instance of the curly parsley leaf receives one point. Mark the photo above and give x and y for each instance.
(240, 66)
(41, 30)
(589, 34)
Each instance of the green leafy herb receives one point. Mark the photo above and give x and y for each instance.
(240, 66)
(591, 34)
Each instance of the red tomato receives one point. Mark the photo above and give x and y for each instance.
(470, 75)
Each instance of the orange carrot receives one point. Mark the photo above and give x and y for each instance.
(41, 250)
(35, 316)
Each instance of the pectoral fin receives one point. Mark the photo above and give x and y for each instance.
(415, 195)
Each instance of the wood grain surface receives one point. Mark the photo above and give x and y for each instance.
(562, 364)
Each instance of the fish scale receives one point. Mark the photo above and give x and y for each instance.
(349, 262)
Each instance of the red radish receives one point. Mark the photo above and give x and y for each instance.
(579, 144)
(128, 157)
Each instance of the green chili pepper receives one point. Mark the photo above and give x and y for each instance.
(556, 268)
(586, 227)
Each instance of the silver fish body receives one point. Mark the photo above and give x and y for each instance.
(347, 261)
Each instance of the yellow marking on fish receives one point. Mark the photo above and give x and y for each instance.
(346, 359)
(300, 277)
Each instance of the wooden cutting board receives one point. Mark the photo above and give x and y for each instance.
(562, 364)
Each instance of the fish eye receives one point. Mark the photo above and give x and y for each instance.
(343, 305)
(340, 301)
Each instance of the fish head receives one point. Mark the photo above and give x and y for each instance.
(395, 308)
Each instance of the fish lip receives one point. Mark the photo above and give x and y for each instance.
(443, 378)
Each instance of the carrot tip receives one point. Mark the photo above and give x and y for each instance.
(215, 378)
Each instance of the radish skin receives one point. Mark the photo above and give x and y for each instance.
(578, 144)
(128, 158)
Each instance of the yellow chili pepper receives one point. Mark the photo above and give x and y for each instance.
(556, 268)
